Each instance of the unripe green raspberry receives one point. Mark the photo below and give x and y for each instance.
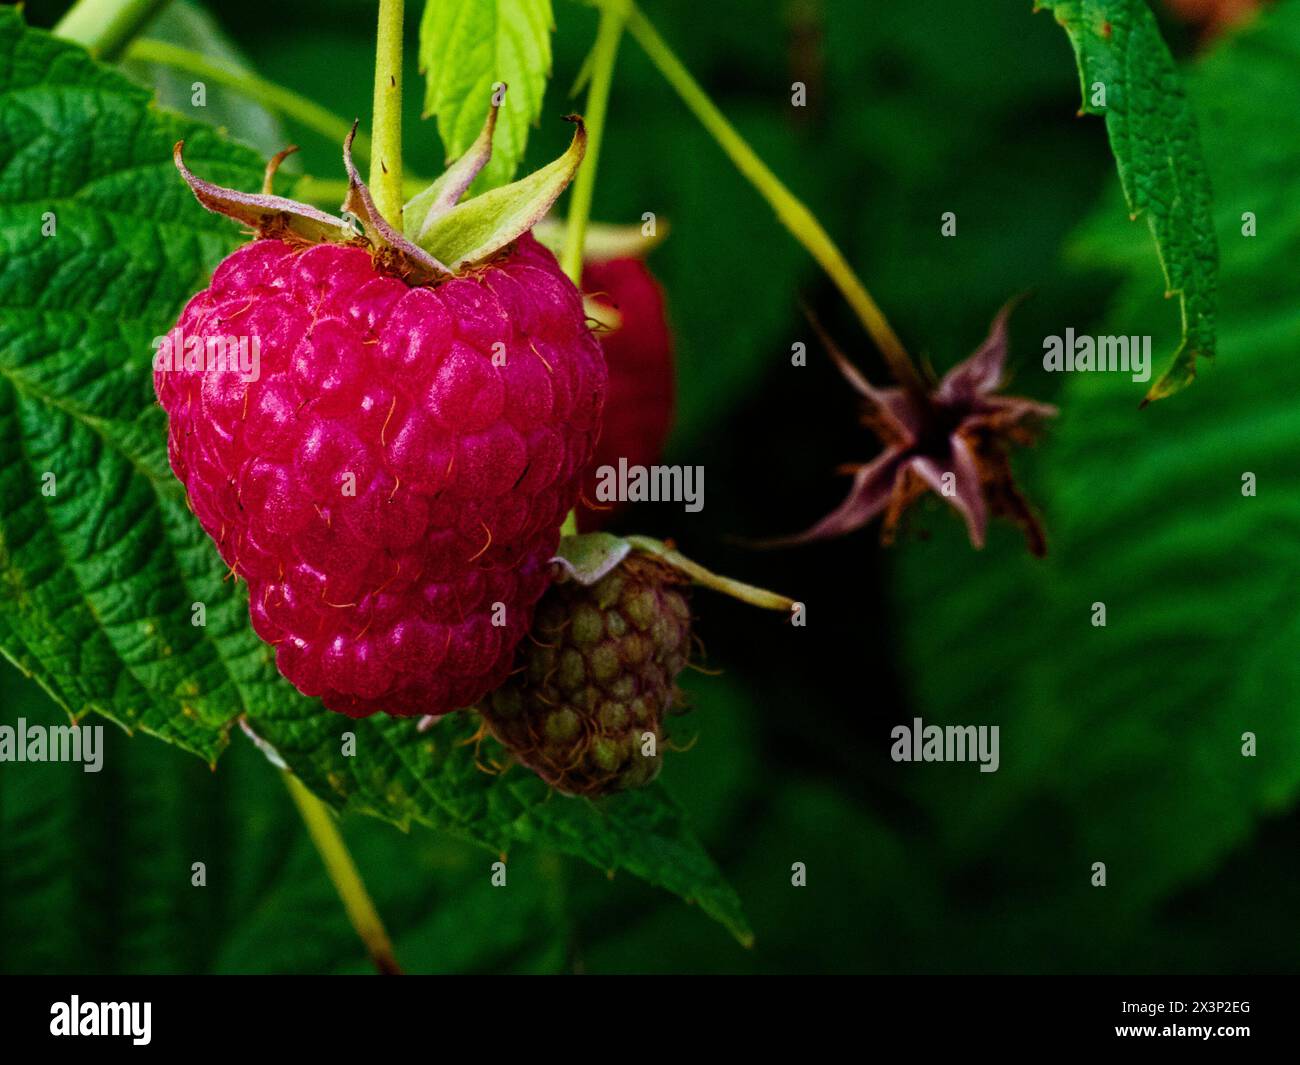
(595, 678)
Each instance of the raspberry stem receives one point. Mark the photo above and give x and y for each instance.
(105, 27)
(312, 189)
(793, 214)
(386, 157)
(609, 32)
(280, 100)
(343, 874)
(273, 97)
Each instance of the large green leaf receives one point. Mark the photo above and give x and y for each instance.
(1123, 743)
(98, 578)
(1128, 76)
(438, 778)
(96, 873)
(466, 48)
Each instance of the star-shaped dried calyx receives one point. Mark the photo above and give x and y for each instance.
(950, 437)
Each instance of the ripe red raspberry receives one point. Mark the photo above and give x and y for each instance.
(402, 462)
(597, 675)
(639, 409)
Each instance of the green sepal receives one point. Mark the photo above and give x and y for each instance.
(473, 230)
(400, 255)
(440, 197)
(587, 557)
(270, 216)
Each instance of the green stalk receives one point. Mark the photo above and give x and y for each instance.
(105, 27)
(789, 209)
(609, 32)
(343, 874)
(312, 189)
(613, 17)
(746, 593)
(273, 97)
(386, 160)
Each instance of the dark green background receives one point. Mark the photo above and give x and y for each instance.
(914, 110)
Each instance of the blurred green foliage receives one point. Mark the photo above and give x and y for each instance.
(1119, 744)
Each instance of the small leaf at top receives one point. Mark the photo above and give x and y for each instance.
(468, 50)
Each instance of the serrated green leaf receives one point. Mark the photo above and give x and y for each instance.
(102, 863)
(1157, 147)
(447, 777)
(98, 577)
(467, 47)
(98, 553)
